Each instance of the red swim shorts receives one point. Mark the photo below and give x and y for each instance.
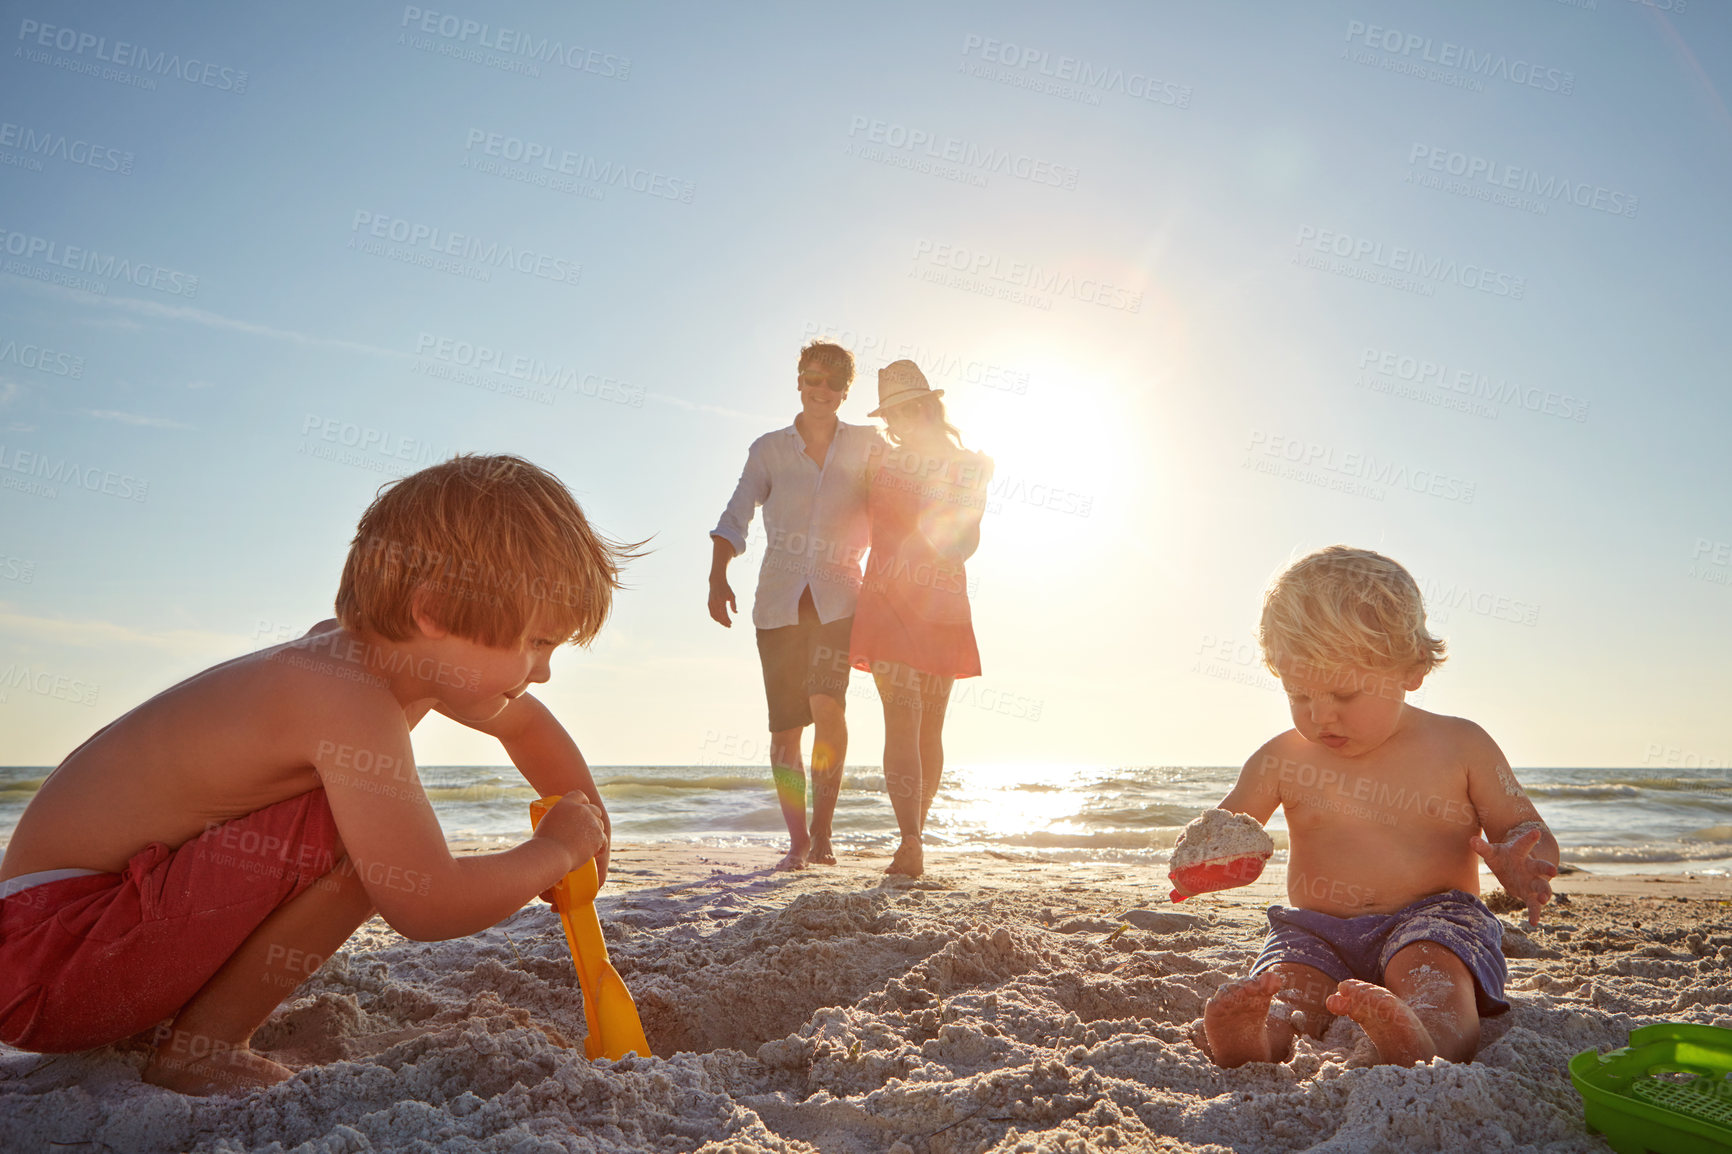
(87, 961)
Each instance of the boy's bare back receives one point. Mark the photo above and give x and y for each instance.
(225, 742)
(330, 710)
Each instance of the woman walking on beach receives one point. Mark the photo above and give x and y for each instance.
(912, 627)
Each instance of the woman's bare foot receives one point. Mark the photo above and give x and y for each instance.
(909, 860)
(1236, 1021)
(1400, 1037)
(224, 1070)
(795, 859)
(821, 853)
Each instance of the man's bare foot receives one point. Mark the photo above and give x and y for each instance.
(821, 853)
(1236, 1021)
(233, 1070)
(909, 860)
(795, 860)
(1400, 1037)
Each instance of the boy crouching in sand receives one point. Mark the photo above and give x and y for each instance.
(1385, 804)
(179, 868)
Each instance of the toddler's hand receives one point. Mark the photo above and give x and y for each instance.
(1522, 875)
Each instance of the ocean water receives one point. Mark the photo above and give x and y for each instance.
(1606, 820)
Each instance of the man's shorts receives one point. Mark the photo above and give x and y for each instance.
(86, 961)
(803, 661)
(1361, 947)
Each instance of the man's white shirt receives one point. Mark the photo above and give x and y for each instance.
(814, 520)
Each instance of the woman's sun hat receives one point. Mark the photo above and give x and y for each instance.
(900, 382)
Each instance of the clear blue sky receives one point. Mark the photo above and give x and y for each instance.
(1215, 283)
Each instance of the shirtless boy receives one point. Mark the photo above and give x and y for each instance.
(1385, 808)
(173, 875)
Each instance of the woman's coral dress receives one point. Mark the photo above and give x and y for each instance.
(925, 515)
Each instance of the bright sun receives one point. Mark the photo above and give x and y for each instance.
(1063, 453)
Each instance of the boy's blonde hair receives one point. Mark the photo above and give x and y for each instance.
(487, 543)
(1341, 607)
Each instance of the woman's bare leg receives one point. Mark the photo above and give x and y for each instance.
(902, 771)
(934, 700)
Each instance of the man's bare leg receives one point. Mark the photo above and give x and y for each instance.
(1427, 1011)
(1243, 1023)
(205, 1049)
(829, 749)
(789, 774)
(903, 779)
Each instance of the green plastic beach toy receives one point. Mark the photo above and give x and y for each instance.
(614, 1027)
(1669, 1091)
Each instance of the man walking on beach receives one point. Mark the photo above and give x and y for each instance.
(811, 480)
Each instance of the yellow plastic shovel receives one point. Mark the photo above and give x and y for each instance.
(614, 1027)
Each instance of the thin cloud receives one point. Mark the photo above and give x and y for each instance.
(135, 419)
(700, 407)
(90, 634)
(208, 319)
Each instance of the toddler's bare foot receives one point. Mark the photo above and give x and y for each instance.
(795, 859)
(1400, 1037)
(1236, 1021)
(226, 1071)
(821, 853)
(909, 860)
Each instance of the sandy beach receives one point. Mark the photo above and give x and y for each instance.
(996, 1004)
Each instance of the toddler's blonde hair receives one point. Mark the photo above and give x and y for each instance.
(1341, 607)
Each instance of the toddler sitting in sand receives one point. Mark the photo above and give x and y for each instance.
(190, 864)
(1385, 804)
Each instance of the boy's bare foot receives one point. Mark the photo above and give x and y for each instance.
(1400, 1037)
(228, 1071)
(1236, 1021)
(821, 853)
(909, 860)
(794, 860)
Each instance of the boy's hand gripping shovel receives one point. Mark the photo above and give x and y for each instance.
(614, 1027)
